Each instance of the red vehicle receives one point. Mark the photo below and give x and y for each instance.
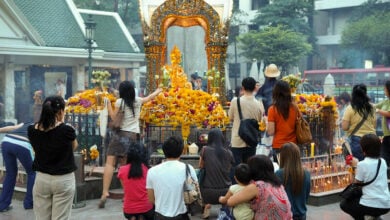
(349, 77)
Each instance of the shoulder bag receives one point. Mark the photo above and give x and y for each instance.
(117, 122)
(302, 129)
(354, 190)
(346, 146)
(365, 116)
(249, 128)
(191, 191)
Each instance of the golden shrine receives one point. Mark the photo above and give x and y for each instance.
(158, 15)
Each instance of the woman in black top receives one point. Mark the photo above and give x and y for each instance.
(217, 160)
(53, 143)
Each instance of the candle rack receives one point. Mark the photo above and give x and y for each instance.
(328, 173)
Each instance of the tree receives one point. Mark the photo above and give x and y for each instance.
(368, 8)
(291, 13)
(278, 45)
(370, 34)
(296, 15)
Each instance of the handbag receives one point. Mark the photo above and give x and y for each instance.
(116, 123)
(249, 129)
(191, 191)
(302, 130)
(354, 190)
(225, 213)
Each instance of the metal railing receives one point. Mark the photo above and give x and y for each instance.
(87, 131)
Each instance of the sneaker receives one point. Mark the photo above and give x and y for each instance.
(6, 209)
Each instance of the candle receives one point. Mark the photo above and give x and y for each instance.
(312, 149)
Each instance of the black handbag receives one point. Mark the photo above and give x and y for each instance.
(249, 129)
(354, 190)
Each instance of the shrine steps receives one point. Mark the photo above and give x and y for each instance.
(90, 189)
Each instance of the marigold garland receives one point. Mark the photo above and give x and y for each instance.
(312, 104)
(86, 101)
(179, 105)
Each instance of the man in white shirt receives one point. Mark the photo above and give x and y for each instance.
(165, 182)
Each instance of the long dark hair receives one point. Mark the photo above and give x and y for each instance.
(50, 108)
(217, 141)
(360, 101)
(261, 168)
(135, 158)
(127, 93)
(387, 86)
(293, 172)
(281, 98)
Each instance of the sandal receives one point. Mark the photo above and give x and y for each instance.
(102, 203)
(206, 213)
(103, 200)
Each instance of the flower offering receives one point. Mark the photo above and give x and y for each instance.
(179, 105)
(312, 104)
(293, 80)
(87, 101)
(101, 78)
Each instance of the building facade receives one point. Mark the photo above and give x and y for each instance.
(329, 22)
(331, 17)
(42, 43)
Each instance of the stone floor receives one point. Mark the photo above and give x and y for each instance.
(113, 210)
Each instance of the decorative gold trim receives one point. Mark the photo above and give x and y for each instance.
(185, 13)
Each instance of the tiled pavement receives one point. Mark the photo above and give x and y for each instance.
(113, 210)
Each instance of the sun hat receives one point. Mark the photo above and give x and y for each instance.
(272, 71)
(194, 76)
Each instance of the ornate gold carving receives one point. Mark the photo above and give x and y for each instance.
(185, 13)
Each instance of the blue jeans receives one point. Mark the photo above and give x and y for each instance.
(357, 152)
(11, 153)
(240, 155)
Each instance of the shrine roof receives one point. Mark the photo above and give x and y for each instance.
(60, 24)
(54, 21)
(111, 34)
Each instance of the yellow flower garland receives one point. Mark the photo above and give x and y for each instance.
(312, 104)
(86, 101)
(179, 105)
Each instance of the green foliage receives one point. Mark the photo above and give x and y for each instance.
(278, 45)
(296, 15)
(291, 13)
(369, 8)
(370, 34)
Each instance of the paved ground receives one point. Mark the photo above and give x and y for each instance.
(113, 210)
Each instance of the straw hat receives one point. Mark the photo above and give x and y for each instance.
(272, 71)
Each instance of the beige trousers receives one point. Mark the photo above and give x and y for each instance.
(53, 196)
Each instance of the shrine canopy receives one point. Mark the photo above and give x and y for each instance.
(224, 8)
(198, 27)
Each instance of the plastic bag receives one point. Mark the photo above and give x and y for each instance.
(103, 120)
